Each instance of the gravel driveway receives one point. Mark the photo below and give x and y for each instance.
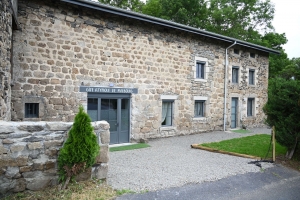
(171, 162)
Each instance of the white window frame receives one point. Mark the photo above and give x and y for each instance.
(206, 69)
(206, 107)
(238, 74)
(169, 98)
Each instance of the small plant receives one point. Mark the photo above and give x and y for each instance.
(80, 149)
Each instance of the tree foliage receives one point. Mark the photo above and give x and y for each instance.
(133, 5)
(283, 111)
(80, 149)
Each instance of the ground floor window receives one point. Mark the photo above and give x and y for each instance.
(31, 110)
(199, 110)
(167, 113)
(250, 107)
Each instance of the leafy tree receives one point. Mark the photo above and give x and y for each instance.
(283, 112)
(133, 5)
(153, 8)
(80, 149)
(292, 71)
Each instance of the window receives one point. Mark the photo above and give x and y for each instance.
(235, 74)
(251, 76)
(200, 70)
(167, 113)
(236, 51)
(250, 107)
(199, 108)
(31, 110)
(252, 55)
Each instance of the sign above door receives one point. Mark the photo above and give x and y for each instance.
(94, 89)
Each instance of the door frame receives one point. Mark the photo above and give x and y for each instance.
(114, 96)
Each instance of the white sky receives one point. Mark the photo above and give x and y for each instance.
(287, 20)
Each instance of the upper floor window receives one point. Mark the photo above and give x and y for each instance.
(251, 76)
(235, 74)
(200, 70)
(31, 110)
(236, 51)
(252, 55)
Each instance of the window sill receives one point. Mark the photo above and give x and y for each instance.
(250, 85)
(200, 119)
(200, 80)
(167, 128)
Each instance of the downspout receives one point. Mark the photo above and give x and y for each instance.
(225, 84)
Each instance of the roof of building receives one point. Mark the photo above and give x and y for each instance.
(154, 20)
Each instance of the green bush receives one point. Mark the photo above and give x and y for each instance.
(80, 149)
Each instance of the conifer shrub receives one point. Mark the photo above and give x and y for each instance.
(80, 149)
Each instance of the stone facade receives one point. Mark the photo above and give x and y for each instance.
(61, 47)
(5, 58)
(28, 154)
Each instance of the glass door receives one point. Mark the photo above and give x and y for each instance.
(234, 108)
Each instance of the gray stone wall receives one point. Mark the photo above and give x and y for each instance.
(29, 150)
(62, 47)
(5, 56)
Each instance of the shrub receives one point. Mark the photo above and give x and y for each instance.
(80, 149)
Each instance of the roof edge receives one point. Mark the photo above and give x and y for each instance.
(170, 24)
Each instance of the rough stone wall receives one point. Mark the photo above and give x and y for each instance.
(243, 90)
(29, 150)
(62, 47)
(5, 56)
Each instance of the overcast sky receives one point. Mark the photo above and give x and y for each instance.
(287, 20)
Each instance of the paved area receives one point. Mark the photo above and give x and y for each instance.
(171, 162)
(273, 183)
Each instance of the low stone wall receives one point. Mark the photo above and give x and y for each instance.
(29, 150)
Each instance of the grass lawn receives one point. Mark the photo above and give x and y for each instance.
(256, 145)
(129, 147)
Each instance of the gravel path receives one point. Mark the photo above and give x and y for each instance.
(171, 162)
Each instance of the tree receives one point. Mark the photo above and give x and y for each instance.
(292, 71)
(133, 5)
(283, 112)
(80, 149)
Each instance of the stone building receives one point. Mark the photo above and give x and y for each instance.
(146, 76)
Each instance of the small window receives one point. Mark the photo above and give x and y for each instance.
(251, 76)
(200, 70)
(199, 108)
(250, 107)
(235, 74)
(167, 113)
(252, 55)
(236, 51)
(31, 110)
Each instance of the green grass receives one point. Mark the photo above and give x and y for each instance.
(129, 147)
(256, 145)
(241, 131)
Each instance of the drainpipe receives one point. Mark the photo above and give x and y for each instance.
(225, 84)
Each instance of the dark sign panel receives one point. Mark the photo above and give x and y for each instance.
(108, 90)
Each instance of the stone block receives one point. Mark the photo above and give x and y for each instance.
(12, 172)
(34, 145)
(103, 157)
(100, 171)
(6, 160)
(53, 143)
(17, 147)
(105, 137)
(59, 126)
(3, 150)
(31, 128)
(20, 185)
(25, 168)
(6, 130)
